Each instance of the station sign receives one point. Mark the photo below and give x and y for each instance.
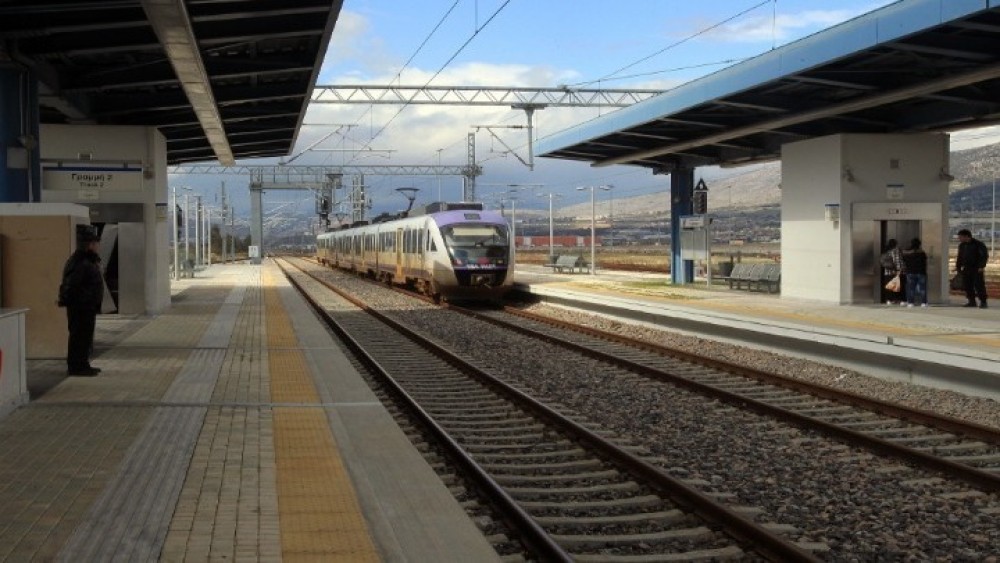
(92, 178)
(692, 221)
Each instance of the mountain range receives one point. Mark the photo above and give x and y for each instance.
(757, 186)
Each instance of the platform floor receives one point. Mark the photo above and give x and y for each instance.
(948, 335)
(230, 427)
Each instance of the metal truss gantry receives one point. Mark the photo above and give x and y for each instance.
(512, 96)
(527, 99)
(325, 179)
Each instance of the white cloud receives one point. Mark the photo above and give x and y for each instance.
(783, 28)
(418, 131)
(353, 48)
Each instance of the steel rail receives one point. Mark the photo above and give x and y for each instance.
(757, 537)
(927, 418)
(536, 538)
(982, 479)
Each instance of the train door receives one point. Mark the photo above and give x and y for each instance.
(399, 255)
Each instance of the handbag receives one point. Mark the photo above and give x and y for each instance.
(957, 282)
(893, 284)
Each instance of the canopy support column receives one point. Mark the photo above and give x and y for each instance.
(681, 189)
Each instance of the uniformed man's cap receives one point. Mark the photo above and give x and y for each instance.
(86, 233)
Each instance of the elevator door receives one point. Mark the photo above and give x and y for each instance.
(872, 226)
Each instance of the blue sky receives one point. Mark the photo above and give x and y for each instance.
(542, 43)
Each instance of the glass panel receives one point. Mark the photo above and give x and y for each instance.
(477, 246)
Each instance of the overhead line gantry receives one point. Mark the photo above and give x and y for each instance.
(325, 179)
(523, 98)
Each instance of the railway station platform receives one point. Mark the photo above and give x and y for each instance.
(945, 346)
(230, 427)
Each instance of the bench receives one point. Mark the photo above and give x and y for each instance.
(568, 262)
(755, 276)
(741, 274)
(769, 278)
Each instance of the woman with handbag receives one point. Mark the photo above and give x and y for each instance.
(891, 262)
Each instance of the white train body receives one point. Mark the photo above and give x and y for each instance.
(460, 253)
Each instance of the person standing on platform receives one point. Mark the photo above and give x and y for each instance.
(915, 270)
(971, 263)
(81, 292)
(892, 265)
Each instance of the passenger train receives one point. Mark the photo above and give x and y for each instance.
(451, 251)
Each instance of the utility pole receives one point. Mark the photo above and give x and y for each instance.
(593, 226)
(197, 230)
(176, 236)
(552, 249)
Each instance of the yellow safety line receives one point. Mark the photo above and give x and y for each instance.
(320, 517)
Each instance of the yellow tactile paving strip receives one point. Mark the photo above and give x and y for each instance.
(319, 513)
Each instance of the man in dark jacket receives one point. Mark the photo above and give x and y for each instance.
(971, 263)
(82, 292)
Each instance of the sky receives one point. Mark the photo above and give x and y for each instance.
(539, 43)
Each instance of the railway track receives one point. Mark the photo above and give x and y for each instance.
(570, 492)
(962, 450)
(944, 461)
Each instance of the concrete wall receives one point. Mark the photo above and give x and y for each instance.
(140, 152)
(811, 246)
(816, 253)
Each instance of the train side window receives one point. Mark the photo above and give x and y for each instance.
(430, 242)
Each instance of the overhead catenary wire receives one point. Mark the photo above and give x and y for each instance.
(676, 44)
(439, 71)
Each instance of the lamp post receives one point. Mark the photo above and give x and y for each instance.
(552, 249)
(208, 235)
(593, 225)
(513, 220)
(197, 230)
(439, 176)
(176, 237)
(187, 218)
(513, 211)
(611, 214)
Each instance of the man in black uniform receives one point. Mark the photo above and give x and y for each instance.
(82, 292)
(971, 263)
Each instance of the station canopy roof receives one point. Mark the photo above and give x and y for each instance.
(912, 66)
(221, 79)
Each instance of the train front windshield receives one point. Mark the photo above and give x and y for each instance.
(477, 246)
